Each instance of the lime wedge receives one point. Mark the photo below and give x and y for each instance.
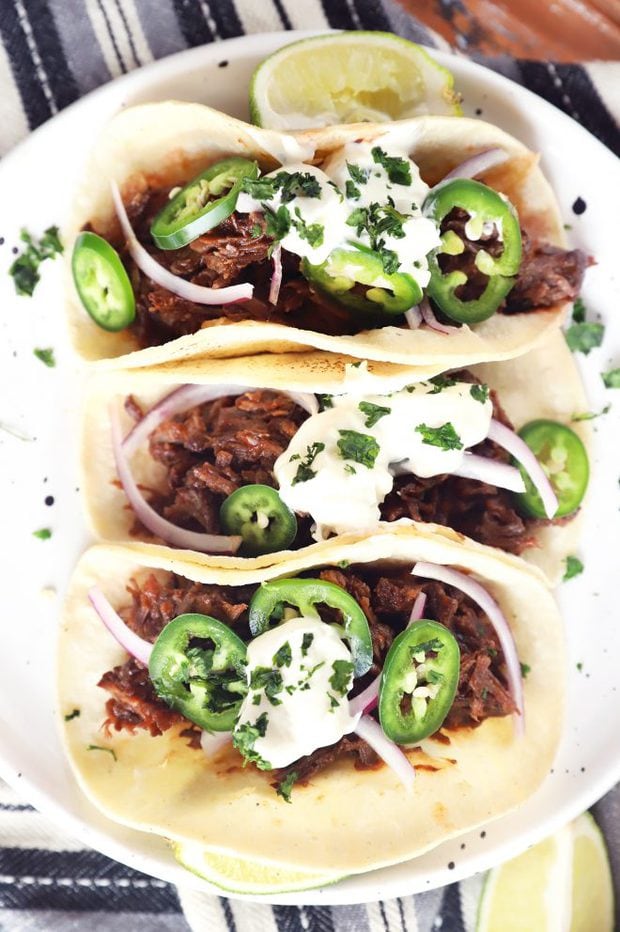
(592, 889)
(531, 893)
(349, 77)
(241, 875)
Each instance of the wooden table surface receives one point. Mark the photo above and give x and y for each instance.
(561, 30)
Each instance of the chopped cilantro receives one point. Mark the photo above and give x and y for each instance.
(590, 415)
(583, 337)
(479, 393)
(579, 666)
(361, 448)
(285, 786)
(289, 184)
(311, 232)
(278, 222)
(439, 383)
(444, 437)
(373, 412)
(579, 312)
(25, 269)
(306, 641)
(244, 739)
(304, 470)
(43, 533)
(269, 680)
(525, 669)
(333, 702)
(71, 715)
(305, 682)
(352, 192)
(97, 747)
(398, 170)
(377, 220)
(340, 680)
(359, 175)
(46, 356)
(611, 378)
(256, 231)
(262, 189)
(325, 402)
(351, 470)
(343, 564)
(574, 567)
(283, 656)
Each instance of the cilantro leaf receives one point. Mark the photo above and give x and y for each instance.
(480, 393)
(373, 412)
(283, 656)
(583, 337)
(377, 220)
(285, 786)
(325, 402)
(361, 448)
(611, 378)
(46, 356)
(304, 470)
(71, 715)
(574, 567)
(25, 269)
(444, 437)
(398, 170)
(579, 311)
(352, 192)
(306, 641)
(439, 382)
(525, 669)
(359, 175)
(340, 680)
(278, 223)
(590, 415)
(245, 737)
(312, 232)
(43, 534)
(269, 681)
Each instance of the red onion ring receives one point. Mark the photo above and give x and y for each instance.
(417, 611)
(508, 440)
(489, 606)
(413, 317)
(431, 321)
(477, 164)
(484, 469)
(390, 753)
(276, 278)
(176, 536)
(134, 645)
(213, 742)
(367, 699)
(199, 294)
(185, 397)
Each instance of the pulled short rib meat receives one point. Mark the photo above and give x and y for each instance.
(386, 595)
(238, 251)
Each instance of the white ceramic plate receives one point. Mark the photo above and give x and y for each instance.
(35, 184)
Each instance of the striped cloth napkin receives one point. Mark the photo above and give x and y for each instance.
(52, 52)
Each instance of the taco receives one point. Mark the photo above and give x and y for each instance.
(344, 710)
(254, 456)
(228, 240)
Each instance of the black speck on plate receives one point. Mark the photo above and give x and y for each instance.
(49, 500)
(579, 206)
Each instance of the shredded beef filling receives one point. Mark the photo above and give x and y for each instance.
(214, 448)
(386, 595)
(238, 251)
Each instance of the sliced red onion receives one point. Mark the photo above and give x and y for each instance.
(489, 606)
(390, 753)
(367, 699)
(417, 611)
(276, 278)
(490, 471)
(477, 164)
(213, 742)
(506, 438)
(199, 294)
(413, 317)
(134, 645)
(173, 535)
(431, 321)
(185, 397)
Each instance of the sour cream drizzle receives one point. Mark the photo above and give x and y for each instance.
(353, 178)
(340, 464)
(307, 711)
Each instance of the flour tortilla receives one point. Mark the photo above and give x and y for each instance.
(345, 820)
(518, 383)
(168, 143)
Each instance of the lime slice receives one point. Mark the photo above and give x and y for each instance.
(349, 77)
(531, 893)
(592, 894)
(241, 875)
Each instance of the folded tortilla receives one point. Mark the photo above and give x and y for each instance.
(169, 143)
(345, 820)
(518, 383)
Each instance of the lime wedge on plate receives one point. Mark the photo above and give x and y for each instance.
(349, 77)
(563, 883)
(592, 889)
(242, 875)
